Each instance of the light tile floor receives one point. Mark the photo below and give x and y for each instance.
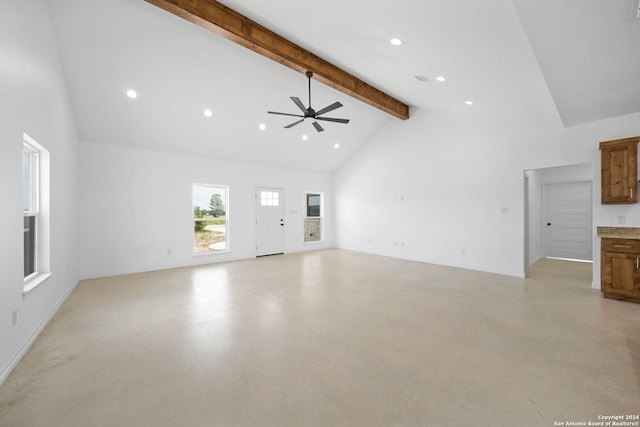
(331, 338)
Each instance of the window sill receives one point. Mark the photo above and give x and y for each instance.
(198, 254)
(35, 281)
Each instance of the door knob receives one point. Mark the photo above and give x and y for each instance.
(548, 223)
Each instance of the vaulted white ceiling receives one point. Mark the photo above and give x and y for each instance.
(545, 62)
(589, 53)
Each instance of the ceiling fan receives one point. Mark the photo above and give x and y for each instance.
(310, 112)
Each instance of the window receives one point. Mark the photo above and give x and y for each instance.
(35, 207)
(313, 221)
(269, 198)
(313, 205)
(30, 185)
(210, 209)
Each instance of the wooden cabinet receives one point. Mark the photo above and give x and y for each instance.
(620, 171)
(620, 269)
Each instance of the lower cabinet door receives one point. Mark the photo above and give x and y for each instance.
(625, 274)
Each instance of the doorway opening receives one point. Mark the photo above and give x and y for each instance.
(558, 214)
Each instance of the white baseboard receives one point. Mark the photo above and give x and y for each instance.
(532, 263)
(193, 263)
(13, 362)
(127, 271)
(500, 271)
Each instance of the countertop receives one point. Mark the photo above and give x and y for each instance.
(619, 232)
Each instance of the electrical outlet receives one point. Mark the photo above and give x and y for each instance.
(14, 318)
(620, 219)
(169, 251)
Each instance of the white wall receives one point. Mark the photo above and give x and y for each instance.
(135, 205)
(538, 178)
(450, 187)
(569, 173)
(33, 100)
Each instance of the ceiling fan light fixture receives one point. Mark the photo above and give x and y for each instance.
(395, 41)
(208, 113)
(132, 94)
(468, 102)
(262, 126)
(441, 79)
(305, 137)
(336, 146)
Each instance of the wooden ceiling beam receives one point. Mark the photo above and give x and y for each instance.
(228, 23)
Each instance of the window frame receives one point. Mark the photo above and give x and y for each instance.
(31, 204)
(227, 217)
(319, 217)
(36, 206)
(308, 206)
(269, 198)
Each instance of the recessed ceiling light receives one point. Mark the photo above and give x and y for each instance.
(262, 126)
(336, 145)
(208, 113)
(468, 102)
(132, 94)
(395, 42)
(305, 137)
(441, 79)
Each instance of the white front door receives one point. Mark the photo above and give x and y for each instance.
(567, 225)
(269, 221)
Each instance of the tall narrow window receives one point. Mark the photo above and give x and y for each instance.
(30, 206)
(313, 220)
(35, 208)
(210, 207)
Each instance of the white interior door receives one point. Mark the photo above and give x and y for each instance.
(568, 217)
(269, 221)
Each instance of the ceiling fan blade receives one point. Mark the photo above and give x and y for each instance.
(299, 103)
(317, 126)
(331, 119)
(284, 114)
(294, 123)
(329, 108)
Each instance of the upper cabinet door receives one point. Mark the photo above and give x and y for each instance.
(620, 171)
